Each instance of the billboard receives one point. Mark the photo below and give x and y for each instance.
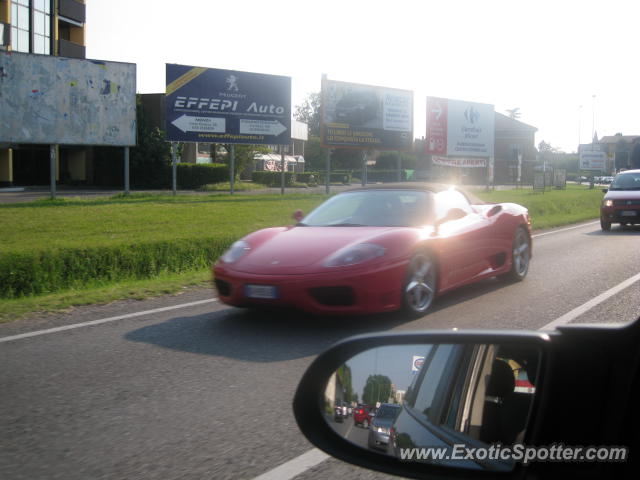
(63, 101)
(227, 106)
(458, 128)
(364, 116)
(593, 160)
(460, 162)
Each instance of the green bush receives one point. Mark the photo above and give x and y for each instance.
(191, 175)
(23, 274)
(273, 179)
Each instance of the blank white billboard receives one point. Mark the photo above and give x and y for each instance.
(56, 100)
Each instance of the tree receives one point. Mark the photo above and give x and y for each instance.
(544, 147)
(244, 155)
(309, 112)
(151, 157)
(514, 113)
(376, 389)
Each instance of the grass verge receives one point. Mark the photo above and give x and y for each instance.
(164, 284)
(70, 252)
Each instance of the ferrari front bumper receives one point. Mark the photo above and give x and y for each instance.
(342, 292)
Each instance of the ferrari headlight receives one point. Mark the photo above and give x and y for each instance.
(235, 252)
(355, 254)
(382, 430)
(608, 203)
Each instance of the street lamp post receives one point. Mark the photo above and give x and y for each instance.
(593, 117)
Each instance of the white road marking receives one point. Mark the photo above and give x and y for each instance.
(565, 229)
(585, 307)
(296, 466)
(104, 320)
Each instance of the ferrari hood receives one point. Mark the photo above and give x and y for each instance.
(295, 250)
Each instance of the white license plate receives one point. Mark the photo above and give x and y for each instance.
(261, 291)
(629, 213)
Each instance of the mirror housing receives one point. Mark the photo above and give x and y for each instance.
(605, 190)
(578, 401)
(309, 396)
(452, 214)
(298, 215)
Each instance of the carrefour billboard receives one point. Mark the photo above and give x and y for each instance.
(227, 106)
(459, 128)
(364, 116)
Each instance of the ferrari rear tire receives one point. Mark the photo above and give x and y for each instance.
(420, 286)
(604, 225)
(520, 256)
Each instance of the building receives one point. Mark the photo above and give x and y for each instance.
(43, 27)
(514, 145)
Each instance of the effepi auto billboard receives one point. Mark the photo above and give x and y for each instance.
(227, 106)
(365, 116)
(459, 128)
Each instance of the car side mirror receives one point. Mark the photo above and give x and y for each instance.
(441, 388)
(452, 214)
(449, 398)
(298, 215)
(605, 190)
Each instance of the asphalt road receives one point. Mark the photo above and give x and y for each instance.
(204, 391)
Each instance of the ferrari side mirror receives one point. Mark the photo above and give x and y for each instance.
(298, 215)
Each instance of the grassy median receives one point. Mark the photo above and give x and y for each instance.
(61, 253)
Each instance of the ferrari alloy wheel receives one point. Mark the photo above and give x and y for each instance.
(604, 225)
(521, 254)
(421, 284)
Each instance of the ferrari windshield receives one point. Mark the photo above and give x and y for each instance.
(373, 208)
(626, 181)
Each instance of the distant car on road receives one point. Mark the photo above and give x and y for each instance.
(381, 424)
(363, 415)
(340, 412)
(621, 204)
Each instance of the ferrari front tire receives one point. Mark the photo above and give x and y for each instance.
(420, 285)
(604, 225)
(520, 256)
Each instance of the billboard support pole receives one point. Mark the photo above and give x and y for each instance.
(282, 170)
(328, 169)
(364, 168)
(126, 170)
(174, 168)
(232, 167)
(52, 170)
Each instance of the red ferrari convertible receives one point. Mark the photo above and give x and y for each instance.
(377, 249)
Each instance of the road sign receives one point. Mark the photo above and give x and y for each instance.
(417, 363)
(458, 128)
(364, 116)
(227, 106)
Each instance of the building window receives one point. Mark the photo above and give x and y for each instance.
(31, 26)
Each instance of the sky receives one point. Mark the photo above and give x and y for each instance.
(547, 58)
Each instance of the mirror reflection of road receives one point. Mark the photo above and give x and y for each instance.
(350, 431)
